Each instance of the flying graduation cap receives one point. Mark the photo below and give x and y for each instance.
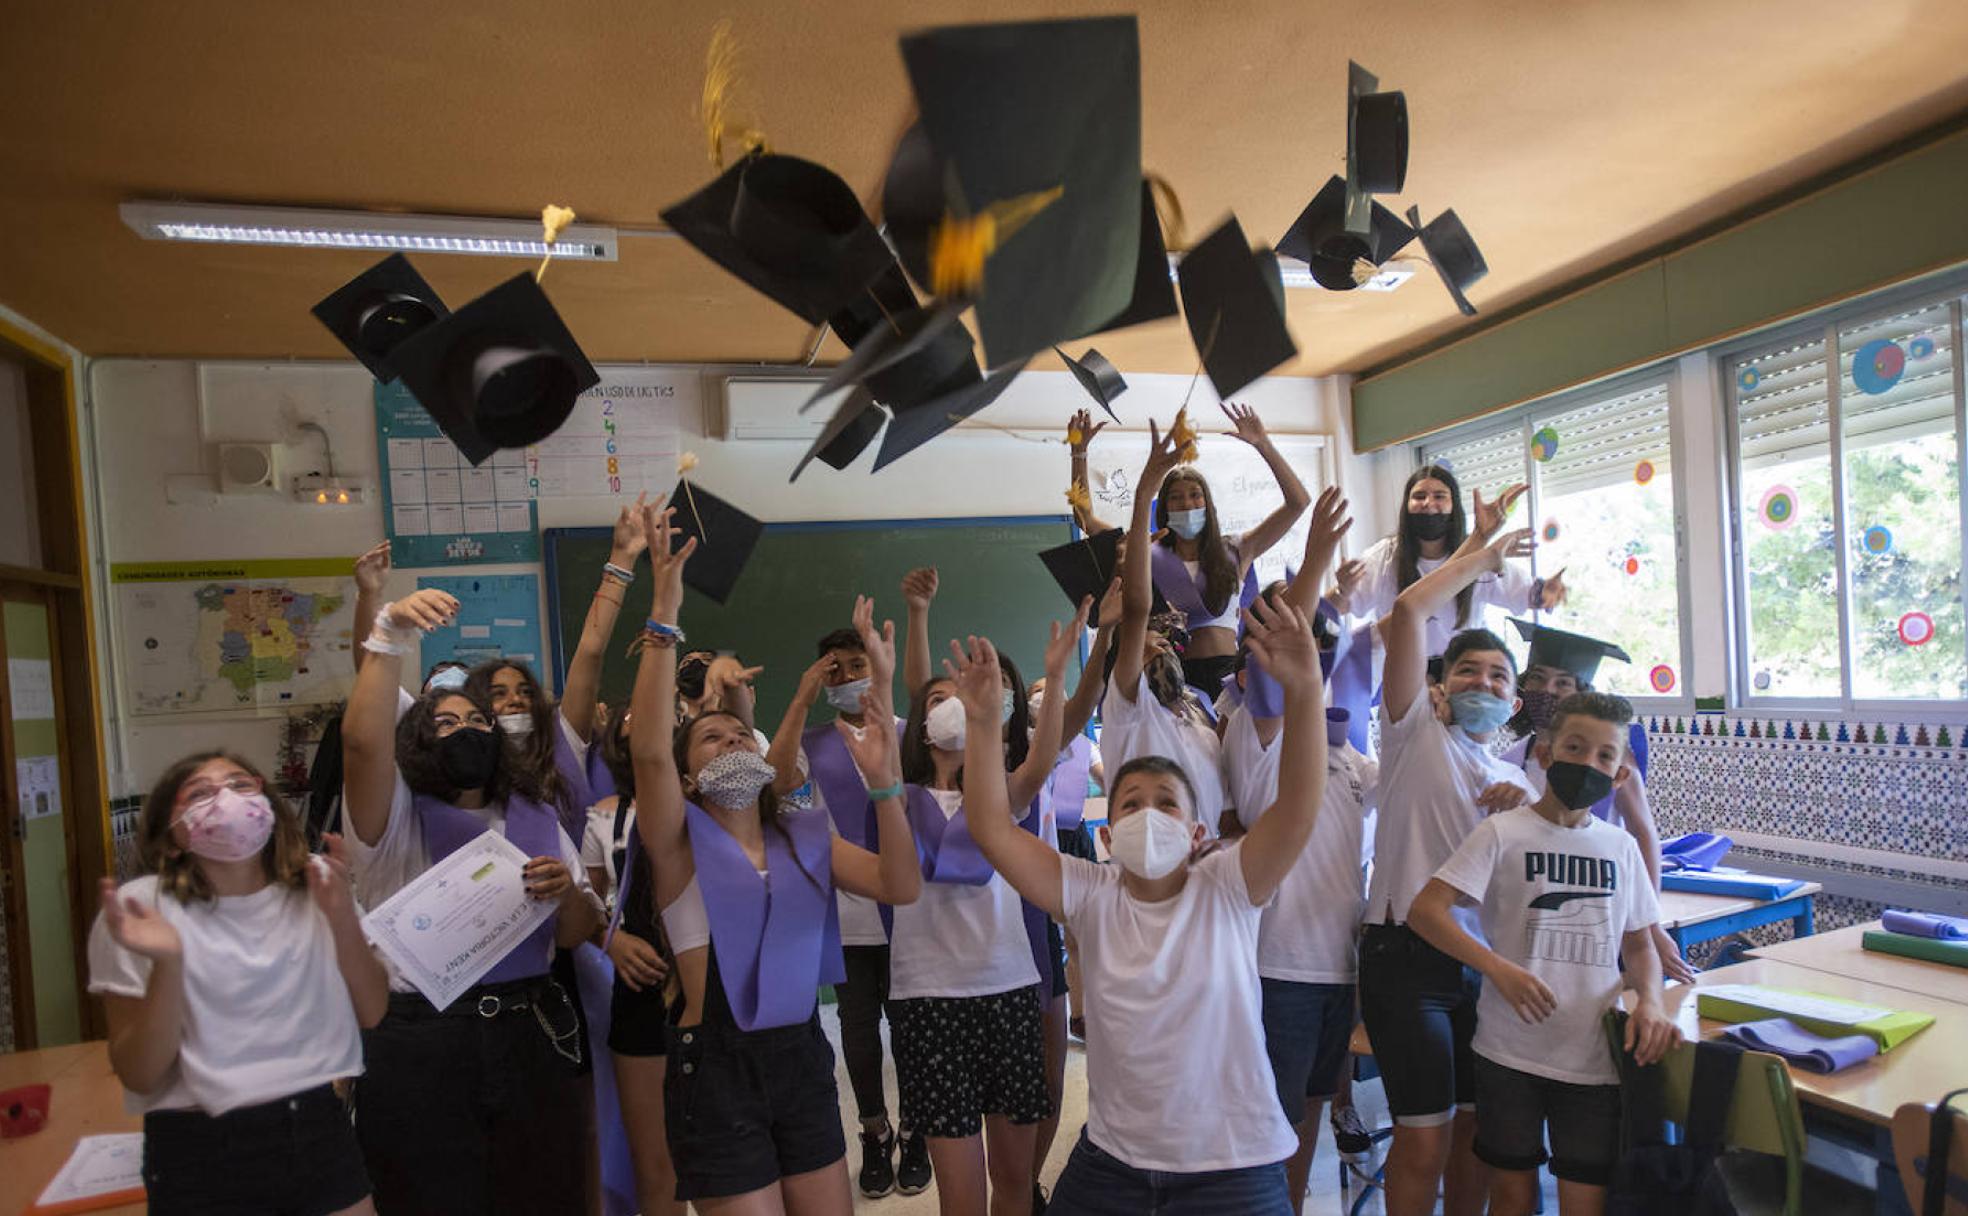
(1097, 375)
(1454, 253)
(725, 536)
(1319, 237)
(1376, 145)
(1086, 567)
(1234, 300)
(1154, 294)
(380, 309)
(913, 427)
(1571, 652)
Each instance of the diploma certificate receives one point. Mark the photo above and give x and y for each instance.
(456, 920)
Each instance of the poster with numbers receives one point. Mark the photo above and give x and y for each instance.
(621, 438)
(437, 508)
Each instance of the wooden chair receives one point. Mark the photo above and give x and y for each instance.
(1912, 1143)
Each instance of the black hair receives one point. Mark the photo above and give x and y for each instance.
(839, 639)
(1214, 555)
(919, 769)
(535, 752)
(614, 745)
(1475, 639)
(1160, 766)
(1407, 546)
(445, 665)
(416, 752)
(1604, 706)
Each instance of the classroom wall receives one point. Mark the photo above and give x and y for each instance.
(153, 442)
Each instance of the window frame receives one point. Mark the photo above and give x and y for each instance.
(1525, 420)
(1825, 325)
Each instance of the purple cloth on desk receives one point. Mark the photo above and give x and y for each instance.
(1694, 851)
(1802, 1048)
(1926, 924)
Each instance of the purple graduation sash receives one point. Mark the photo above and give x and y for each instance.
(777, 938)
(1068, 783)
(1353, 683)
(831, 767)
(943, 845)
(1184, 591)
(601, 782)
(1263, 696)
(533, 830)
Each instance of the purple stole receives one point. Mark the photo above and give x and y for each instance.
(574, 775)
(1352, 681)
(832, 769)
(533, 830)
(1264, 697)
(601, 782)
(777, 938)
(949, 854)
(1068, 783)
(1184, 591)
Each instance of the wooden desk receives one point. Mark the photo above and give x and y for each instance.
(1692, 917)
(1841, 952)
(87, 1101)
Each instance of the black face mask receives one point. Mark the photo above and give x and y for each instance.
(1429, 526)
(468, 758)
(690, 677)
(1577, 785)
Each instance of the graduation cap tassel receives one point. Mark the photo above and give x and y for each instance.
(1202, 357)
(1168, 210)
(720, 82)
(554, 219)
(959, 246)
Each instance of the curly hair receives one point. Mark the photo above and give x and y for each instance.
(285, 856)
(416, 753)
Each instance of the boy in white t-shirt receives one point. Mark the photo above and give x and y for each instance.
(1565, 900)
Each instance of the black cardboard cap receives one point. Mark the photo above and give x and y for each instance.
(1232, 297)
(725, 536)
(913, 427)
(379, 310)
(1318, 237)
(1573, 652)
(1097, 375)
(1154, 290)
(1376, 143)
(854, 425)
(1454, 253)
(1085, 567)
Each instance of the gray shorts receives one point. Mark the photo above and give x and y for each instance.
(1514, 1111)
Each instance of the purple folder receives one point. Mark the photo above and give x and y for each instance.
(1694, 851)
(1811, 1052)
(1926, 924)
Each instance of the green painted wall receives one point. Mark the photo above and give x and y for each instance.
(1882, 226)
(51, 943)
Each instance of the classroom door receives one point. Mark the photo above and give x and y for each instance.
(36, 879)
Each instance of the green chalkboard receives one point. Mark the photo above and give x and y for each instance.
(801, 583)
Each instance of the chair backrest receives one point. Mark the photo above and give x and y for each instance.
(1912, 1138)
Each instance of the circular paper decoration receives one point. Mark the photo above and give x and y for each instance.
(1643, 472)
(1877, 540)
(1762, 680)
(1551, 529)
(1631, 565)
(1544, 444)
(1778, 509)
(1921, 348)
(1662, 678)
(1916, 629)
(1878, 366)
(1748, 378)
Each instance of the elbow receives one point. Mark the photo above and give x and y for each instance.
(370, 1010)
(907, 889)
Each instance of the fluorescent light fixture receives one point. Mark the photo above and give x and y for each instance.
(1297, 274)
(224, 224)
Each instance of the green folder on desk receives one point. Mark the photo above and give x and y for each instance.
(1907, 945)
(1826, 1015)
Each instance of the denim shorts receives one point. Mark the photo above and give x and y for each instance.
(295, 1155)
(1420, 1009)
(1097, 1183)
(1514, 1111)
(1306, 1029)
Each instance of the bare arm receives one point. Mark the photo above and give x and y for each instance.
(1086, 694)
(1137, 567)
(659, 788)
(577, 696)
(372, 571)
(1043, 753)
(1637, 814)
(1247, 426)
(1079, 435)
(1650, 1033)
(1405, 631)
(892, 874)
(918, 590)
(784, 752)
(369, 722)
(1429, 917)
(144, 1032)
(1029, 864)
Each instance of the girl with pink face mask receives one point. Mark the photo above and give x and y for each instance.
(235, 976)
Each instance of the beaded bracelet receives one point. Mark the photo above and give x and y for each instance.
(662, 630)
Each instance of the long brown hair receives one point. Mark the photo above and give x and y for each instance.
(285, 857)
(1407, 546)
(1218, 562)
(534, 751)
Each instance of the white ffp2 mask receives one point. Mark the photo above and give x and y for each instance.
(1150, 843)
(945, 725)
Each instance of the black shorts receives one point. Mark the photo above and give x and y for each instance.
(1077, 841)
(295, 1155)
(960, 1058)
(1306, 1030)
(1514, 1111)
(745, 1109)
(638, 1022)
(1420, 1009)
(1056, 953)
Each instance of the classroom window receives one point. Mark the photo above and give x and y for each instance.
(1848, 511)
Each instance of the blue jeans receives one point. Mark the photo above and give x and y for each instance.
(1096, 1183)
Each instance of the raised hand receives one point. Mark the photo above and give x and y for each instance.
(919, 588)
(1490, 515)
(329, 878)
(665, 558)
(372, 569)
(1162, 456)
(1552, 592)
(1065, 642)
(1331, 518)
(629, 539)
(879, 644)
(873, 746)
(1245, 424)
(1282, 639)
(1513, 544)
(1110, 604)
(726, 679)
(980, 686)
(636, 961)
(814, 681)
(426, 609)
(138, 927)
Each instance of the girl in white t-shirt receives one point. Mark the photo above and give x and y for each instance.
(234, 977)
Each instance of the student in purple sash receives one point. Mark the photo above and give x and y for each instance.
(746, 892)
(969, 967)
(1566, 903)
(1560, 664)
(1419, 1004)
(1148, 710)
(1183, 1113)
(1433, 528)
(821, 755)
(234, 975)
(478, 1107)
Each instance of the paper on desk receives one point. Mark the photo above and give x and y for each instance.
(1796, 1004)
(102, 1172)
(456, 920)
(1825, 1015)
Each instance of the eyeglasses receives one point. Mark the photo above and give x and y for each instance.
(192, 797)
(449, 723)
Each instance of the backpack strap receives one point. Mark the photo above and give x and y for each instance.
(1709, 1096)
(618, 846)
(1643, 1109)
(1940, 1134)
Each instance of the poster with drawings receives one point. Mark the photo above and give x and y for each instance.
(621, 438)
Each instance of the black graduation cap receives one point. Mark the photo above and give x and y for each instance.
(917, 425)
(1027, 107)
(1234, 299)
(1154, 293)
(1319, 237)
(911, 357)
(1376, 144)
(1454, 253)
(1571, 652)
(889, 295)
(501, 372)
(379, 309)
(1086, 566)
(856, 422)
(788, 227)
(914, 200)
(725, 538)
(1097, 375)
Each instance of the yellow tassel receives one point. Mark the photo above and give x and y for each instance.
(1183, 436)
(1076, 495)
(1363, 272)
(686, 462)
(715, 106)
(554, 220)
(1168, 210)
(1074, 436)
(959, 246)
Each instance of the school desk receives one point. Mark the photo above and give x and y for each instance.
(87, 1101)
(1840, 952)
(1692, 918)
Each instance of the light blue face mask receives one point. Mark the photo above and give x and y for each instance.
(847, 697)
(1010, 703)
(1188, 524)
(451, 679)
(1478, 712)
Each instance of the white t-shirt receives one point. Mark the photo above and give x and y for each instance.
(1556, 901)
(1430, 775)
(1145, 727)
(959, 940)
(1310, 931)
(599, 840)
(1177, 1075)
(267, 1013)
(860, 917)
(1380, 585)
(399, 855)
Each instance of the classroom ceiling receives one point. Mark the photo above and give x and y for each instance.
(1568, 134)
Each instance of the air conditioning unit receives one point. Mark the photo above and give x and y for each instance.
(246, 468)
(767, 407)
